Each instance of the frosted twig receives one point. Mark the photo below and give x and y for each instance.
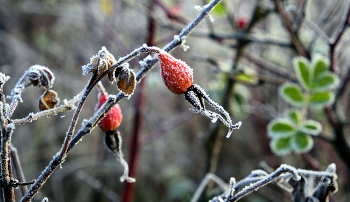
(98, 185)
(256, 185)
(288, 174)
(36, 75)
(282, 169)
(6, 173)
(204, 183)
(231, 188)
(67, 106)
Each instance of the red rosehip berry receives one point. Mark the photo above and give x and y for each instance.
(242, 23)
(176, 74)
(113, 118)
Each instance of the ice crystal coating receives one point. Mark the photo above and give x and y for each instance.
(100, 62)
(3, 79)
(176, 74)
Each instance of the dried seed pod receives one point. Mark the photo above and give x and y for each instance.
(113, 142)
(99, 63)
(126, 81)
(48, 100)
(40, 76)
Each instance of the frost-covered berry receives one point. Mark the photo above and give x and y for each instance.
(113, 118)
(176, 74)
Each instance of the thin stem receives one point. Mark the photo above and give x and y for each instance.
(257, 38)
(35, 116)
(18, 169)
(294, 38)
(8, 193)
(101, 88)
(264, 64)
(204, 183)
(98, 185)
(139, 108)
(282, 169)
(268, 179)
(305, 105)
(336, 39)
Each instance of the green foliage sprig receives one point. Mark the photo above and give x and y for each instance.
(292, 131)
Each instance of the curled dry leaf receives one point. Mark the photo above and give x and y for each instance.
(113, 75)
(40, 76)
(126, 81)
(99, 63)
(48, 100)
(113, 142)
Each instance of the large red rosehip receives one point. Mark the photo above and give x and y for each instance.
(176, 74)
(113, 118)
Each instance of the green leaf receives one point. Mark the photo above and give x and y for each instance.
(294, 115)
(281, 127)
(292, 94)
(311, 127)
(219, 9)
(320, 65)
(281, 146)
(321, 99)
(301, 142)
(326, 81)
(247, 78)
(301, 68)
(248, 75)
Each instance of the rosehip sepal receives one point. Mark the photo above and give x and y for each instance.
(197, 97)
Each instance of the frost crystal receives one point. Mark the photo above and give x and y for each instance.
(100, 62)
(213, 120)
(145, 61)
(200, 9)
(84, 122)
(177, 37)
(45, 199)
(3, 78)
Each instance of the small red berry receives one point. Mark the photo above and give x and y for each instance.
(113, 118)
(176, 74)
(242, 23)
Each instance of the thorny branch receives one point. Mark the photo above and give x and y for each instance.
(71, 140)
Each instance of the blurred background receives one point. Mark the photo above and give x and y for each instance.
(176, 147)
